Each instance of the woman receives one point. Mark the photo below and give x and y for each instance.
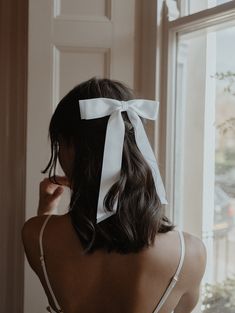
(114, 251)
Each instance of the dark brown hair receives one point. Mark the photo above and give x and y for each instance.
(140, 214)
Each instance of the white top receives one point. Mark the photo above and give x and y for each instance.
(163, 298)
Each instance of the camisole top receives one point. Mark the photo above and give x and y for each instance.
(163, 299)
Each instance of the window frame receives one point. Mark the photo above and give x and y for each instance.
(166, 89)
(167, 35)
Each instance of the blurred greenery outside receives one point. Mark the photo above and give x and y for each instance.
(220, 295)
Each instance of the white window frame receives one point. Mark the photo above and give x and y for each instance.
(166, 85)
(167, 34)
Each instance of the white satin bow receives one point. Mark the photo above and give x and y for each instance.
(112, 159)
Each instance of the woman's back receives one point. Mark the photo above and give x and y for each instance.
(116, 204)
(111, 282)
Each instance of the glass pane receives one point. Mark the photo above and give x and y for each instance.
(205, 155)
(193, 6)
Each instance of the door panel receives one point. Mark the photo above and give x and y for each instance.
(69, 42)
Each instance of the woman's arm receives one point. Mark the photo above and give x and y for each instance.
(187, 302)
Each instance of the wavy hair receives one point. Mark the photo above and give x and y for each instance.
(140, 215)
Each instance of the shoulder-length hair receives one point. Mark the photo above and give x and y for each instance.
(140, 215)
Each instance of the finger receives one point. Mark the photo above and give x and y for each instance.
(46, 186)
(63, 180)
(58, 192)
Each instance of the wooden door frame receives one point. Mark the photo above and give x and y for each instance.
(13, 112)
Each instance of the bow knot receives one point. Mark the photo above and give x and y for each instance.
(112, 158)
(124, 106)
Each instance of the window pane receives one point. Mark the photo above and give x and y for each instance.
(205, 155)
(193, 6)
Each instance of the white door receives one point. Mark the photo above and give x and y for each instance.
(69, 42)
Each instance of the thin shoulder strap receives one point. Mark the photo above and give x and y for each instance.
(175, 277)
(44, 265)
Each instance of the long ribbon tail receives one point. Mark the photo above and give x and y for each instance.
(111, 162)
(145, 148)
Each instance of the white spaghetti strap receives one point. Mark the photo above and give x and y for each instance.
(44, 265)
(41, 235)
(175, 277)
(182, 243)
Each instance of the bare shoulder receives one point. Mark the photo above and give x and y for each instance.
(168, 244)
(31, 228)
(192, 273)
(195, 258)
(195, 247)
(30, 238)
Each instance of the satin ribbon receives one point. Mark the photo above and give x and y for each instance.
(112, 158)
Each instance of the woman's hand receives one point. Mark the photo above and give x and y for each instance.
(50, 194)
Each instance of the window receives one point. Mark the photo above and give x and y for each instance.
(200, 136)
(188, 7)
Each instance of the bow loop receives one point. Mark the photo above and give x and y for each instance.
(145, 108)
